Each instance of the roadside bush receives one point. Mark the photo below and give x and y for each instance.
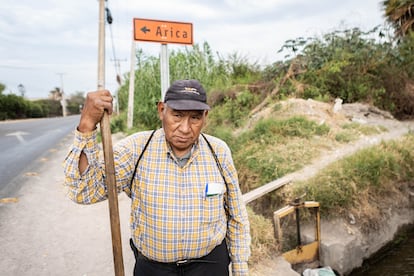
(50, 108)
(118, 123)
(75, 102)
(233, 110)
(35, 110)
(12, 107)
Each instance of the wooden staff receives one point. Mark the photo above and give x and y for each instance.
(108, 154)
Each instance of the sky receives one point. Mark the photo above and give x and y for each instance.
(54, 43)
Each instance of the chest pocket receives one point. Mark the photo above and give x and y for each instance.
(213, 207)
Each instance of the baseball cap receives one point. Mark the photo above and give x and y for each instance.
(186, 95)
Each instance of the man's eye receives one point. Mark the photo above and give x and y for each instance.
(195, 119)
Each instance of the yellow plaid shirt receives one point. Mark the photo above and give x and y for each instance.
(172, 215)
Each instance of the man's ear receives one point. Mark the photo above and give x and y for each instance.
(161, 107)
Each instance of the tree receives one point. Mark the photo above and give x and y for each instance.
(56, 94)
(75, 102)
(2, 87)
(400, 13)
(22, 90)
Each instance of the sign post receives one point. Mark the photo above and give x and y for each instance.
(165, 70)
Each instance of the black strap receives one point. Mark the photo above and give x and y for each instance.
(220, 169)
(140, 156)
(215, 158)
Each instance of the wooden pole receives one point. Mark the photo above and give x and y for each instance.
(108, 154)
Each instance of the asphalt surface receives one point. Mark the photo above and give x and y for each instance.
(23, 144)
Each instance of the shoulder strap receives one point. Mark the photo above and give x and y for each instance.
(209, 146)
(215, 158)
(226, 208)
(140, 156)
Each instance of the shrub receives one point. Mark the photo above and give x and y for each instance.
(118, 123)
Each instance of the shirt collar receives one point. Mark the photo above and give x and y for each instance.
(188, 156)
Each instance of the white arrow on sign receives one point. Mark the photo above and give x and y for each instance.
(19, 135)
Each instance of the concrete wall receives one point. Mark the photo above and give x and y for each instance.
(344, 247)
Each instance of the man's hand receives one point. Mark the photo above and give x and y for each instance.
(95, 105)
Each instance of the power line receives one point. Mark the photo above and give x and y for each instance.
(16, 67)
(117, 64)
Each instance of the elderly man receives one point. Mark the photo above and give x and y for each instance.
(187, 213)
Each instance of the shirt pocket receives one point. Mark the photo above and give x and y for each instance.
(213, 208)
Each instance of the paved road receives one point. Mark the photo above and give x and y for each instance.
(23, 144)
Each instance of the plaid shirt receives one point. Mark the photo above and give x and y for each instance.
(172, 215)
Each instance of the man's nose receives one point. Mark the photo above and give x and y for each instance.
(185, 125)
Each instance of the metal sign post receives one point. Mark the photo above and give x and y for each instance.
(130, 115)
(165, 70)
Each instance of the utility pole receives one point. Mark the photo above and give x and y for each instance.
(130, 115)
(22, 90)
(118, 80)
(110, 180)
(63, 100)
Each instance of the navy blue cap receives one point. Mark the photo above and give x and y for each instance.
(186, 95)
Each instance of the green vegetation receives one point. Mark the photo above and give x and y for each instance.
(14, 107)
(215, 73)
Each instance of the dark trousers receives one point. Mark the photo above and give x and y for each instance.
(216, 263)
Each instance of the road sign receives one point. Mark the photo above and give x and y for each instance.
(163, 31)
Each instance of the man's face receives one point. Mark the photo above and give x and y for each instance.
(181, 127)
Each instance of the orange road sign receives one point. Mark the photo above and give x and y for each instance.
(163, 31)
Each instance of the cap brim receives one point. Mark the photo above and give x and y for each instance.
(187, 105)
